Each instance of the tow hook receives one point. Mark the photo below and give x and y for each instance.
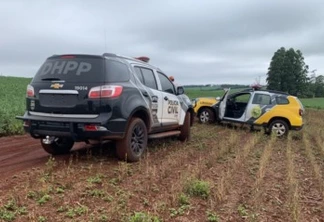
(48, 140)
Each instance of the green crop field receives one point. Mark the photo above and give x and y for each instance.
(13, 93)
(314, 103)
(197, 92)
(194, 92)
(12, 103)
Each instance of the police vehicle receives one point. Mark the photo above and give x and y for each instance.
(277, 112)
(76, 97)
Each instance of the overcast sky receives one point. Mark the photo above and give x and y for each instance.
(196, 41)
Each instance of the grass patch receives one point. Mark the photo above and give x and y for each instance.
(198, 188)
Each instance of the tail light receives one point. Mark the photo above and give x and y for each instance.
(106, 91)
(92, 127)
(301, 112)
(30, 91)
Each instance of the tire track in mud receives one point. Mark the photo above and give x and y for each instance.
(287, 191)
(268, 194)
(189, 160)
(234, 181)
(20, 153)
(292, 200)
(310, 183)
(279, 192)
(16, 141)
(263, 201)
(25, 154)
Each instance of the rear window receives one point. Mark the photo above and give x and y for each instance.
(71, 69)
(117, 71)
(282, 100)
(149, 78)
(261, 99)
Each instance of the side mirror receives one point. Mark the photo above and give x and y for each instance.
(180, 90)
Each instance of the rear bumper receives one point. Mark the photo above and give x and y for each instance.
(40, 126)
(297, 127)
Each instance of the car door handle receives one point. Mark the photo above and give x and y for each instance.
(145, 93)
(166, 98)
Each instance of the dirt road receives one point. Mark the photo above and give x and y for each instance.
(20, 153)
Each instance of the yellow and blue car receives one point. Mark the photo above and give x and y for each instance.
(276, 111)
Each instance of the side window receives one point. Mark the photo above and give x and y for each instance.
(149, 78)
(282, 100)
(117, 71)
(242, 98)
(167, 85)
(139, 74)
(261, 99)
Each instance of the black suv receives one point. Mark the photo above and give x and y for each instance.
(75, 98)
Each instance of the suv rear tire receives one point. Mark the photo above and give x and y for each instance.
(185, 129)
(133, 145)
(60, 145)
(279, 128)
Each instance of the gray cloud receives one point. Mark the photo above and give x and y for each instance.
(198, 42)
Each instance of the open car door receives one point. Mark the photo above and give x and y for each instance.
(222, 104)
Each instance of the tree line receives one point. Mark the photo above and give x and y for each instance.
(288, 72)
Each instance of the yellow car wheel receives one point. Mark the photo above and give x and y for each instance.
(206, 115)
(279, 128)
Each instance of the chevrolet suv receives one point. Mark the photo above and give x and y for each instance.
(75, 98)
(277, 112)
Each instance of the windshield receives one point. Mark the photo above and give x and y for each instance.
(71, 69)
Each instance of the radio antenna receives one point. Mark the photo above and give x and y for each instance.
(105, 40)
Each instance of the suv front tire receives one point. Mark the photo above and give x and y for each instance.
(185, 128)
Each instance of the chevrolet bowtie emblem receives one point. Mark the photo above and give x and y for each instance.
(56, 86)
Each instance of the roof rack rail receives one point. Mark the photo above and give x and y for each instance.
(276, 91)
(264, 90)
(247, 90)
(109, 54)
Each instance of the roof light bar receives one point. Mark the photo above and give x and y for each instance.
(143, 58)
